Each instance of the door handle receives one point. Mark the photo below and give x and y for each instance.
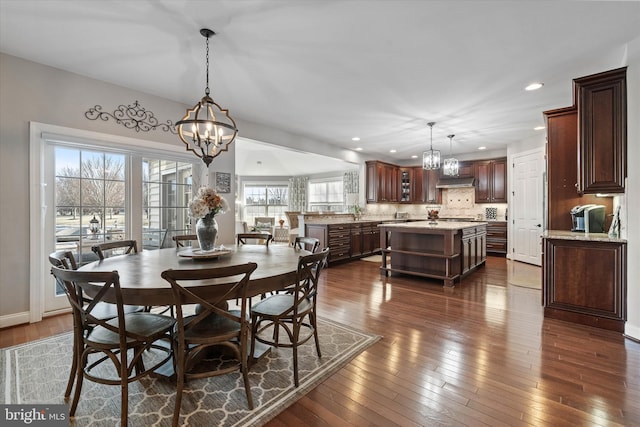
(538, 225)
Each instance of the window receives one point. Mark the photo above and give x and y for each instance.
(90, 194)
(166, 192)
(326, 195)
(265, 200)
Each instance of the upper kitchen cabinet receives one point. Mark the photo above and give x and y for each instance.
(491, 181)
(602, 131)
(465, 170)
(383, 182)
(562, 161)
(407, 179)
(430, 194)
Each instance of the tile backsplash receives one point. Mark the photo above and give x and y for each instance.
(456, 202)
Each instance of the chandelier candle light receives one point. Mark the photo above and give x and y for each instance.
(431, 158)
(450, 167)
(206, 129)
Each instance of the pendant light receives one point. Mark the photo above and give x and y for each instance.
(206, 129)
(431, 158)
(450, 167)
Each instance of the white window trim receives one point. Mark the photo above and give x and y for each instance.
(37, 195)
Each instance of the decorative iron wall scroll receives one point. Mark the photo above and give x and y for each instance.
(132, 117)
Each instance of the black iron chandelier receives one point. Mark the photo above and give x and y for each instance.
(206, 129)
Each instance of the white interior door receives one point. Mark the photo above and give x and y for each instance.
(527, 206)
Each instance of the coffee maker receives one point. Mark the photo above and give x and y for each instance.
(588, 218)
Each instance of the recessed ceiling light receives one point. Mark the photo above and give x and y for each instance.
(359, 149)
(534, 86)
(414, 157)
(482, 148)
(355, 138)
(392, 151)
(538, 128)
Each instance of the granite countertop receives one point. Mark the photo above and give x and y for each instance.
(440, 225)
(573, 235)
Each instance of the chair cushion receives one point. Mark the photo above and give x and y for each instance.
(279, 304)
(211, 326)
(145, 324)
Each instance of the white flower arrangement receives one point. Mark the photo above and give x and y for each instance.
(207, 202)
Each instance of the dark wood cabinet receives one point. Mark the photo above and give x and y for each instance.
(584, 281)
(465, 169)
(497, 238)
(474, 252)
(370, 238)
(429, 181)
(562, 164)
(407, 179)
(346, 240)
(491, 181)
(383, 182)
(356, 240)
(602, 131)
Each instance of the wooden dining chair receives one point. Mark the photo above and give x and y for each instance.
(212, 325)
(288, 311)
(122, 341)
(180, 239)
(115, 247)
(102, 310)
(308, 243)
(124, 247)
(248, 238)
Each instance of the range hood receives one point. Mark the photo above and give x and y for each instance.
(455, 182)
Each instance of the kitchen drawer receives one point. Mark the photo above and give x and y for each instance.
(339, 252)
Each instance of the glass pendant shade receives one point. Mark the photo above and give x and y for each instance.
(431, 158)
(207, 129)
(451, 166)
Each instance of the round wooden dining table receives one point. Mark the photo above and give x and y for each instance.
(141, 283)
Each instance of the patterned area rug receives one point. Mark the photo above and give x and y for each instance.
(37, 372)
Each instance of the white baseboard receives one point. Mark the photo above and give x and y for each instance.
(632, 331)
(14, 319)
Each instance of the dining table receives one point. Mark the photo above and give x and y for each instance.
(141, 283)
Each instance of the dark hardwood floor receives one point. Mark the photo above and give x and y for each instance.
(478, 354)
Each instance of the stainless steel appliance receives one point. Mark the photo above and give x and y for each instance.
(588, 218)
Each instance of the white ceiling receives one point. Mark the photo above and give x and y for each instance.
(332, 70)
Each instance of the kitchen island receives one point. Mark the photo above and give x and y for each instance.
(444, 250)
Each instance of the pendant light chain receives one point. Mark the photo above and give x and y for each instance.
(206, 90)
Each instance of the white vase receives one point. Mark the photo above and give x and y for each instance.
(207, 231)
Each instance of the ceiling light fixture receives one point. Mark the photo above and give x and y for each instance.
(534, 86)
(431, 158)
(451, 166)
(482, 148)
(538, 128)
(359, 149)
(355, 138)
(392, 151)
(206, 129)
